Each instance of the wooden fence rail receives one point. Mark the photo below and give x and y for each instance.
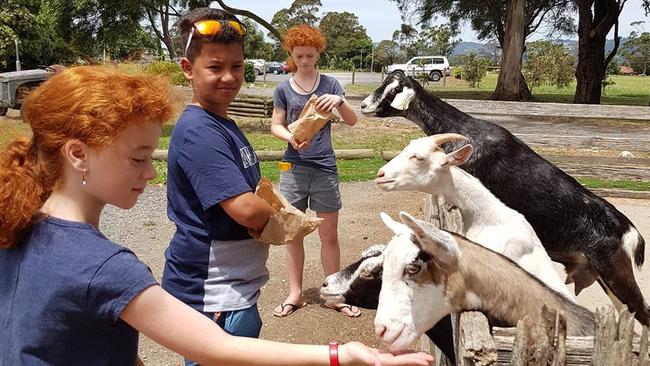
(545, 343)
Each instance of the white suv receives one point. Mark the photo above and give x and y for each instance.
(434, 66)
(259, 64)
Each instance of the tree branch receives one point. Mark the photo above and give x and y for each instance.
(605, 24)
(250, 15)
(617, 41)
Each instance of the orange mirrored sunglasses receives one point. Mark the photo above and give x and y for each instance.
(211, 27)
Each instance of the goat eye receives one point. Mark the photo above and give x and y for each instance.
(366, 275)
(413, 268)
(417, 158)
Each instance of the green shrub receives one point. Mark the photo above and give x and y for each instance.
(168, 69)
(457, 72)
(549, 64)
(249, 73)
(474, 69)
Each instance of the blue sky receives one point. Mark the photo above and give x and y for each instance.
(381, 17)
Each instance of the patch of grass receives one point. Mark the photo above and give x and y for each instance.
(630, 185)
(358, 170)
(10, 130)
(165, 136)
(262, 141)
(626, 90)
(361, 170)
(161, 172)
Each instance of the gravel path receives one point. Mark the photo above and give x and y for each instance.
(147, 231)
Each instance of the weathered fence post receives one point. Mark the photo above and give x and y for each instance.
(540, 343)
(613, 340)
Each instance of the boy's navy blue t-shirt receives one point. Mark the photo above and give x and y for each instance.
(62, 292)
(209, 161)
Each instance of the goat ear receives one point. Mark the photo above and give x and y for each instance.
(394, 226)
(439, 244)
(403, 99)
(458, 157)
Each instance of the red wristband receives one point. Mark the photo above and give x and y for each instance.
(334, 353)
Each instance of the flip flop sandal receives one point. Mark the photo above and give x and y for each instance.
(340, 308)
(292, 308)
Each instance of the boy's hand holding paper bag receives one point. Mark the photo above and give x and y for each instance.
(310, 121)
(287, 223)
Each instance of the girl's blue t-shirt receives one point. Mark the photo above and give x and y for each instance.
(319, 154)
(62, 292)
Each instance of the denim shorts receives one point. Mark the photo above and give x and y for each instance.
(244, 323)
(304, 186)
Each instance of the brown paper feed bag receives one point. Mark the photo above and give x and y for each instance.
(287, 224)
(310, 121)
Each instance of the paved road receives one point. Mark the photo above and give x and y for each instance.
(344, 78)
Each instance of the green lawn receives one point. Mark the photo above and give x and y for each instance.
(626, 90)
(349, 170)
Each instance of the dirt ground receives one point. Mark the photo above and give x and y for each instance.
(146, 230)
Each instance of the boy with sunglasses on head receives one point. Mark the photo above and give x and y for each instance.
(212, 263)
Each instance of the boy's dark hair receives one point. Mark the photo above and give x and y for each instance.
(228, 35)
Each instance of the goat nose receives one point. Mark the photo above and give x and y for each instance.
(380, 173)
(380, 330)
(325, 283)
(363, 105)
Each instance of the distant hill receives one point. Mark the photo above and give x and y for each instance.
(467, 47)
(481, 48)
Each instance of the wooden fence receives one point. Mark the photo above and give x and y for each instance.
(614, 342)
(251, 106)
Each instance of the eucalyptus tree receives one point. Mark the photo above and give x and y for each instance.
(596, 18)
(509, 21)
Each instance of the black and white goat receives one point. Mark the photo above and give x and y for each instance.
(429, 273)
(359, 284)
(584, 232)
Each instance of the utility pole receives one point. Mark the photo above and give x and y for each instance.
(17, 55)
(372, 56)
(361, 60)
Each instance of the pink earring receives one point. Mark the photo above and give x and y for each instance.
(83, 178)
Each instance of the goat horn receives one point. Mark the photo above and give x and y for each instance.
(446, 137)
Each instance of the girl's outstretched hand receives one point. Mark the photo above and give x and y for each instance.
(358, 354)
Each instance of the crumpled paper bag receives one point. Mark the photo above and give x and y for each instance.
(287, 223)
(310, 121)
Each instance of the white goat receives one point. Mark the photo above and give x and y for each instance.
(429, 273)
(424, 166)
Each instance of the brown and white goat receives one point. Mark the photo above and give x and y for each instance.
(429, 273)
(424, 166)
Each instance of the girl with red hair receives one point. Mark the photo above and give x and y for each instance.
(312, 180)
(69, 295)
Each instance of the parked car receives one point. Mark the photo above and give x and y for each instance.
(434, 66)
(259, 64)
(285, 66)
(275, 68)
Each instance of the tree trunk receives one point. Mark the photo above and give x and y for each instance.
(511, 84)
(590, 70)
(592, 33)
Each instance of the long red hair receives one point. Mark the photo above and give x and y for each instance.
(302, 35)
(90, 103)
